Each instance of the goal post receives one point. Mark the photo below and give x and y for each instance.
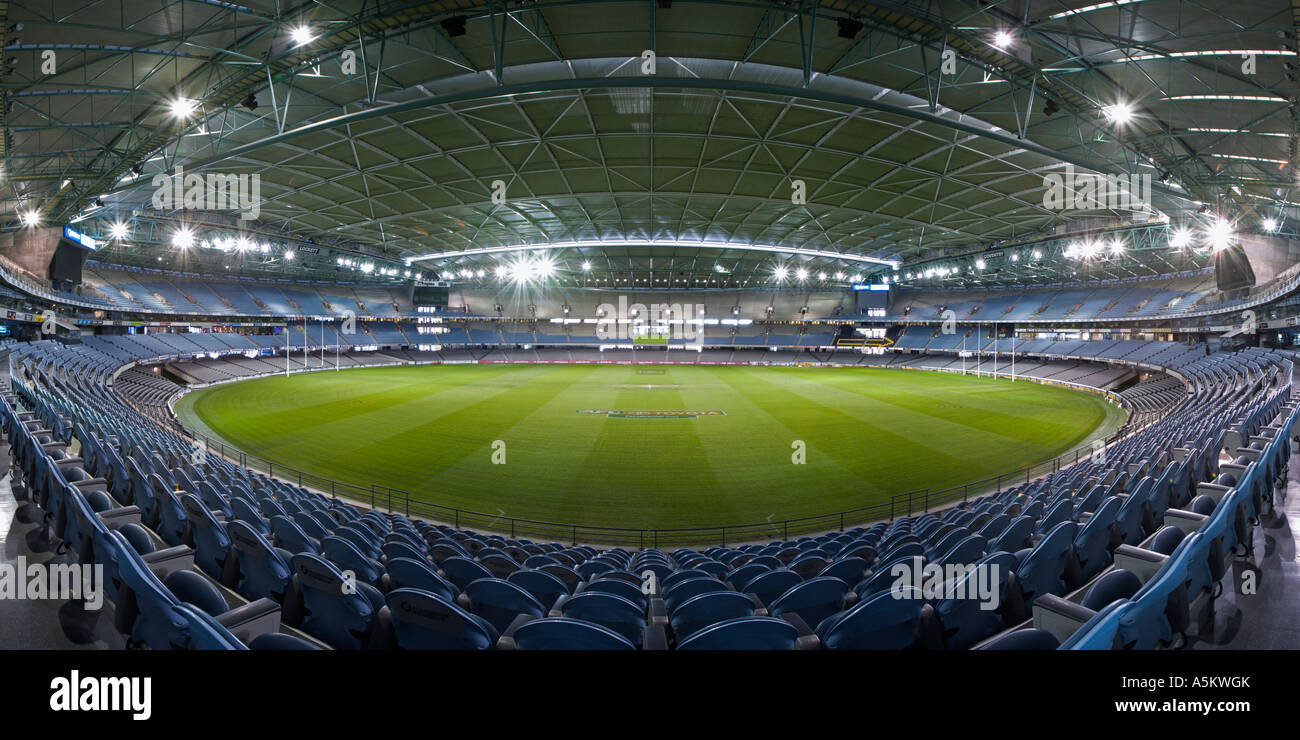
(650, 334)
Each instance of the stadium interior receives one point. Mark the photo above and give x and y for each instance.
(246, 246)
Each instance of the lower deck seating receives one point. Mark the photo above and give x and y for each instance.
(1125, 551)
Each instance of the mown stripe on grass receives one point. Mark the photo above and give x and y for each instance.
(1026, 426)
(633, 472)
(767, 391)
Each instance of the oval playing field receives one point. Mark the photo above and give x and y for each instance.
(649, 446)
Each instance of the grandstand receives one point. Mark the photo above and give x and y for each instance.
(616, 326)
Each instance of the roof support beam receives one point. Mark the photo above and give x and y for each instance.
(690, 83)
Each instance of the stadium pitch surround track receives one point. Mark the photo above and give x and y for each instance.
(176, 528)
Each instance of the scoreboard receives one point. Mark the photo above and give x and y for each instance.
(873, 299)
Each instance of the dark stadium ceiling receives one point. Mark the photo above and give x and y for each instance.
(379, 130)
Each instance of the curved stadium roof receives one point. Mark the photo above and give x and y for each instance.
(379, 133)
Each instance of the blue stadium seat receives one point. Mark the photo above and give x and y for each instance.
(850, 570)
(622, 588)
(347, 557)
(964, 551)
(291, 537)
(886, 621)
(965, 617)
(264, 572)
(1114, 584)
(202, 632)
(745, 633)
(145, 610)
(882, 577)
(211, 543)
(418, 574)
(1101, 632)
(813, 600)
(1165, 540)
(1025, 639)
(543, 586)
(500, 602)
(1096, 538)
(744, 574)
(425, 621)
(683, 590)
(391, 550)
(281, 641)
(709, 608)
(463, 571)
(1159, 610)
(245, 512)
(191, 588)
(332, 610)
(1043, 569)
(1015, 536)
(173, 526)
(614, 612)
(768, 586)
(560, 633)
(684, 574)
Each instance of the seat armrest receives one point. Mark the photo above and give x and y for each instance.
(1188, 521)
(116, 517)
(798, 623)
(169, 560)
(507, 639)
(656, 611)
(807, 642)
(1139, 561)
(253, 619)
(1213, 490)
(1250, 454)
(655, 638)
(1059, 616)
(94, 484)
(68, 462)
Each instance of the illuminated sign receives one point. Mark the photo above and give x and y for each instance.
(76, 236)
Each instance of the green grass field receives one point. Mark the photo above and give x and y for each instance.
(430, 430)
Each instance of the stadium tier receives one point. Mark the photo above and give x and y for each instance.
(170, 294)
(1125, 548)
